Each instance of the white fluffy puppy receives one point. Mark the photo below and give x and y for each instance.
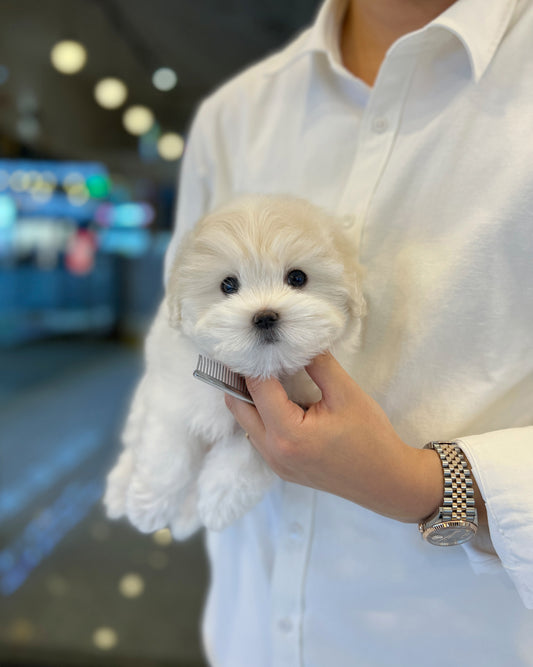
(263, 284)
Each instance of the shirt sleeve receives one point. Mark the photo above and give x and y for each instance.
(502, 463)
(194, 188)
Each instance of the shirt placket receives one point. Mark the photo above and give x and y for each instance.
(377, 133)
(289, 575)
(378, 130)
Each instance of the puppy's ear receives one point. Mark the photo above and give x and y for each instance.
(354, 286)
(173, 300)
(179, 270)
(353, 272)
(174, 312)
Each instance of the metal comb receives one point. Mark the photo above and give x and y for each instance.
(220, 376)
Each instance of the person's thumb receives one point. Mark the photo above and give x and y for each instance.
(331, 378)
(273, 404)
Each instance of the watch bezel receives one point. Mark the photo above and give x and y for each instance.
(440, 528)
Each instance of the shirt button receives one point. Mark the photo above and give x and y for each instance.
(296, 531)
(348, 221)
(285, 625)
(380, 124)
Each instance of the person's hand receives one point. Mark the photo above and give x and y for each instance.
(344, 444)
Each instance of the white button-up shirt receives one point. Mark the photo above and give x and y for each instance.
(433, 169)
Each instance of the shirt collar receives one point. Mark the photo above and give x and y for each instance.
(321, 37)
(325, 33)
(478, 25)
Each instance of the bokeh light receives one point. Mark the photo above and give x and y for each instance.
(4, 74)
(131, 585)
(162, 537)
(68, 56)
(164, 78)
(170, 146)
(8, 212)
(138, 119)
(105, 638)
(129, 214)
(110, 93)
(98, 185)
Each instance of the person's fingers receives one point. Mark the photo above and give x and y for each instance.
(277, 411)
(248, 418)
(331, 378)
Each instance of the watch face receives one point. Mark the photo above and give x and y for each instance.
(450, 533)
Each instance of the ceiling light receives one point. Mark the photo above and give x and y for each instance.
(138, 119)
(110, 93)
(170, 146)
(164, 78)
(68, 57)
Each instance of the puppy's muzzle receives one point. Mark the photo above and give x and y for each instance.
(265, 321)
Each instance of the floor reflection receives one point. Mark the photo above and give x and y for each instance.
(74, 587)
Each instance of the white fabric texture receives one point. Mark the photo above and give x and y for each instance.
(433, 169)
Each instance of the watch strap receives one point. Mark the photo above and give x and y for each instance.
(459, 502)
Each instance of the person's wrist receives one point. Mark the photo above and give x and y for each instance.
(428, 484)
(414, 487)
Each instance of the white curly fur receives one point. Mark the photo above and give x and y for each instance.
(185, 461)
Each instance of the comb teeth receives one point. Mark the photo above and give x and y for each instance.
(220, 376)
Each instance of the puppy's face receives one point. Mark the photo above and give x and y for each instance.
(265, 284)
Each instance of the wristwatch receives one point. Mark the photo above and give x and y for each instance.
(456, 521)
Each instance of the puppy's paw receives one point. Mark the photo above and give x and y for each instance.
(219, 507)
(117, 485)
(148, 508)
(233, 480)
(186, 519)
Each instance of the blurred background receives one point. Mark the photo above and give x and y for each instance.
(96, 97)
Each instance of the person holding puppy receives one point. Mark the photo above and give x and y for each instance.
(411, 119)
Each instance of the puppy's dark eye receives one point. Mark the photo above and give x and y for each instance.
(230, 285)
(296, 278)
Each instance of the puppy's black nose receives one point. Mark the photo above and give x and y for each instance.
(266, 319)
